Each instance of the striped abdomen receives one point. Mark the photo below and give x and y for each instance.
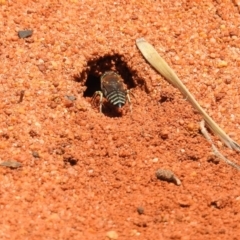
(116, 98)
(113, 89)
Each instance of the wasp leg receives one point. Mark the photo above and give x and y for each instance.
(101, 99)
(129, 100)
(131, 93)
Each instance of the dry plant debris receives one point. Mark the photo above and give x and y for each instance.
(157, 62)
(214, 148)
(10, 164)
(167, 175)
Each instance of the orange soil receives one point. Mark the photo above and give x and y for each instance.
(87, 175)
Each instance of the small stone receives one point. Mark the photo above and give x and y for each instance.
(55, 84)
(192, 127)
(182, 150)
(71, 98)
(181, 122)
(228, 80)
(59, 151)
(164, 134)
(35, 154)
(222, 64)
(112, 235)
(68, 103)
(90, 171)
(54, 65)
(70, 160)
(25, 33)
(213, 159)
(219, 96)
(155, 160)
(134, 232)
(140, 210)
(222, 26)
(193, 174)
(33, 133)
(42, 68)
(185, 201)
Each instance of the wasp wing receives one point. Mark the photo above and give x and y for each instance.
(111, 82)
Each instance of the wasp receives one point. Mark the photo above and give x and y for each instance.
(113, 90)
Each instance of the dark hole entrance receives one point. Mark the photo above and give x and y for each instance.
(90, 76)
(92, 84)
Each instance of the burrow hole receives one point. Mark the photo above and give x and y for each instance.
(90, 76)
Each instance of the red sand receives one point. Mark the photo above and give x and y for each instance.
(87, 175)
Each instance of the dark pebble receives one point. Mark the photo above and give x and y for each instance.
(25, 33)
(140, 210)
(35, 154)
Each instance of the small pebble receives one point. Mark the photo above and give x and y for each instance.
(42, 67)
(134, 232)
(185, 202)
(192, 128)
(35, 154)
(222, 64)
(140, 210)
(164, 134)
(25, 33)
(54, 65)
(71, 98)
(112, 235)
(68, 103)
(228, 80)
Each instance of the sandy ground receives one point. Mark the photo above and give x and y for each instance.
(82, 174)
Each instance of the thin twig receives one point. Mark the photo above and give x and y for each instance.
(157, 62)
(21, 96)
(215, 150)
